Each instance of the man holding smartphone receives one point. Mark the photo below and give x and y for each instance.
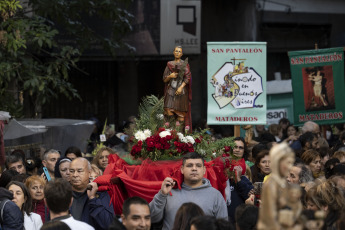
(195, 188)
(49, 160)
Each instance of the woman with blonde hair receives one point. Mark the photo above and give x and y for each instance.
(101, 158)
(274, 196)
(332, 201)
(35, 184)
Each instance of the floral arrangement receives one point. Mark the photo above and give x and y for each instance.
(165, 143)
(158, 139)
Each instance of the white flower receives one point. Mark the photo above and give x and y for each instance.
(184, 140)
(202, 152)
(190, 139)
(147, 133)
(214, 154)
(165, 133)
(140, 136)
(160, 116)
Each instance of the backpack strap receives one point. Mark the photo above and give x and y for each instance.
(2, 206)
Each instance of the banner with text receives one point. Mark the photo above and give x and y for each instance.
(236, 78)
(318, 85)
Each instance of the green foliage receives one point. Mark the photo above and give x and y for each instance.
(33, 63)
(150, 113)
(78, 17)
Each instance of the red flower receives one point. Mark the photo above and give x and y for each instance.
(197, 140)
(140, 143)
(150, 144)
(158, 146)
(227, 148)
(191, 149)
(161, 129)
(227, 163)
(149, 149)
(168, 138)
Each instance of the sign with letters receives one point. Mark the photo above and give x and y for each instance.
(236, 73)
(274, 115)
(318, 85)
(180, 25)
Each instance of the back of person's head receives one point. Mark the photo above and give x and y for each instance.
(132, 200)
(32, 164)
(185, 214)
(258, 148)
(74, 150)
(329, 195)
(210, 223)
(339, 155)
(305, 138)
(20, 178)
(58, 195)
(26, 207)
(266, 137)
(338, 170)
(55, 225)
(329, 165)
(192, 155)
(6, 177)
(246, 216)
(324, 151)
(310, 126)
(284, 120)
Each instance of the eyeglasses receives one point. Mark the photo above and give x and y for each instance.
(238, 147)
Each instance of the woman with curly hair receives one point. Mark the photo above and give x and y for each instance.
(101, 158)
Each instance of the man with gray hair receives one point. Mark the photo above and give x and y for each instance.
(50, 158)
(299, 174)
(311, 126)
(88, 205)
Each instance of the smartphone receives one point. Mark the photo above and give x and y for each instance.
(46, 173)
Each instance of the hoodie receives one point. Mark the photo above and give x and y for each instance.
(208, 198)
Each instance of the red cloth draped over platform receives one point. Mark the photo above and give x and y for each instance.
(122, 180)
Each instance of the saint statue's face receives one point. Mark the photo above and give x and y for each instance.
(285, 166)
(178, 53)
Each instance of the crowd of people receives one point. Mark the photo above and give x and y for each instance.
(58, 192)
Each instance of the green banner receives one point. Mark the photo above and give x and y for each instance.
(236, 78)
(318, 85)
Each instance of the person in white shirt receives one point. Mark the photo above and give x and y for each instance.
(22, 198)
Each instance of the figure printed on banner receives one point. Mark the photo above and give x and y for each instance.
(236, 84)
(318, 87)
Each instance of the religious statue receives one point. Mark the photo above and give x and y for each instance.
(279, 208)
(178, 90)
(317, 78)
